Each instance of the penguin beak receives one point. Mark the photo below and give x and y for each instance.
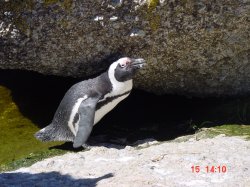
(138, 63)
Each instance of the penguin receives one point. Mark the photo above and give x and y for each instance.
(86, 102)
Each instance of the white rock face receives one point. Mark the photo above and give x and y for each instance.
(164, 164)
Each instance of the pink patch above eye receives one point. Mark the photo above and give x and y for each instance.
(125, 63)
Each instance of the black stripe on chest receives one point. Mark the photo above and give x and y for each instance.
(109, 99)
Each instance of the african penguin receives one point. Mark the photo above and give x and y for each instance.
(86, 102)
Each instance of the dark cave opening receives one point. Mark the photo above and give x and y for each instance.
(142, 115)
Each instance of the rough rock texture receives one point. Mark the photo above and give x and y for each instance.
(192, 47)
(165, 164)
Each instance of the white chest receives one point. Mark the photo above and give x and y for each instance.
(119, 88)
(107, 108)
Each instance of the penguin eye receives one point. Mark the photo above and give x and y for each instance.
(123, 65)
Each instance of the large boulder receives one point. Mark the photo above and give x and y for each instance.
(192, 48)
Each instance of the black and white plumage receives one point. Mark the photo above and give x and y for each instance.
(86, 102)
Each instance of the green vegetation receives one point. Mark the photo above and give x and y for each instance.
(65, 4)
(17, 135)
(226, 129)
(233, 130)
(152, 4)
(30, 159)
(152, 16)
(50, 2)
(216, 129)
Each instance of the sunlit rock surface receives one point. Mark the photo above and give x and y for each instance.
(149, 164)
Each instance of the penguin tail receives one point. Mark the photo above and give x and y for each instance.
(44, 134)
(53, 133)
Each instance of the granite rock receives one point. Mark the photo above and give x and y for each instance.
(193, 48)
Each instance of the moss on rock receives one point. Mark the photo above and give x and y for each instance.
(16, 135)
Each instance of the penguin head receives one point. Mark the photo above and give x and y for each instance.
(125, 68)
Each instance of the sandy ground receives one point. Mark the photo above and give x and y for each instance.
(147, 164)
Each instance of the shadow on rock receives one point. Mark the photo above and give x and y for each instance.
(50, 179)
(67, 146)
(93, 141)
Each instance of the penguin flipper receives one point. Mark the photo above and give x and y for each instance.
(86, 112)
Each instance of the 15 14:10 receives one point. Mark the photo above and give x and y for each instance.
(210, 169)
